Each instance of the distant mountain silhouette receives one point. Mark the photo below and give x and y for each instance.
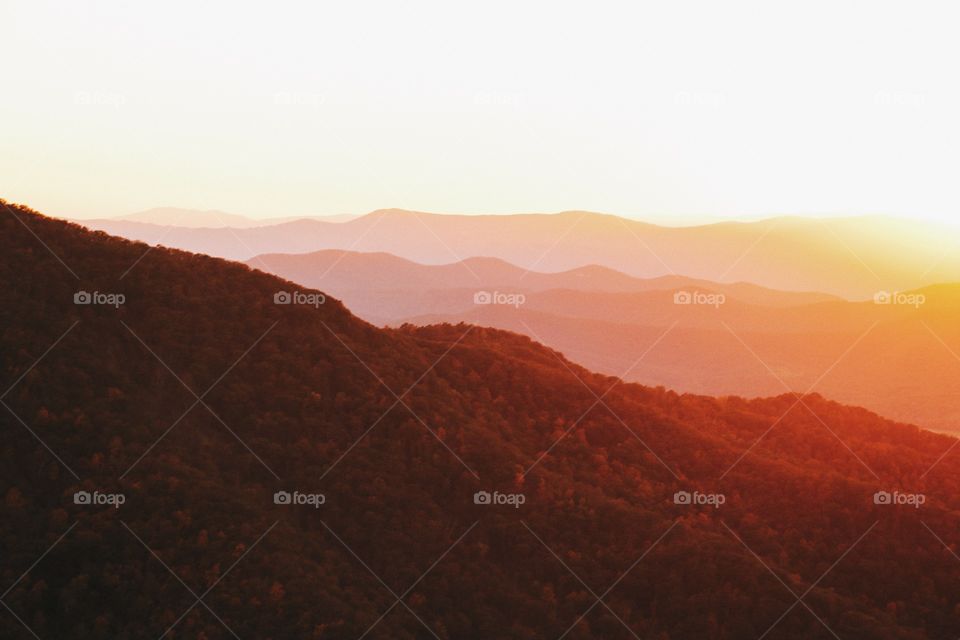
(199, 397)
(204, 219)
(606, 321)
(849, 257)
(189, 218)
(384, 287)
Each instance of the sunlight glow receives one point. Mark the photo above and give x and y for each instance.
(828, 108)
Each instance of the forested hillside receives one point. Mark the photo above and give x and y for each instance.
(198, 398)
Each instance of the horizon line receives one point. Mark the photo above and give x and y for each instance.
(660, 220)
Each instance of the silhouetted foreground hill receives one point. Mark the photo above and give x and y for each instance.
(198, 398)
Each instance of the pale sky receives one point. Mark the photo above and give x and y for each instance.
(670, 111)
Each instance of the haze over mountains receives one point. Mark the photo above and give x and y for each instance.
(848, 257)
(898, 359)
(208, 218)
(383, 287)
(785, 325)
(199, 397)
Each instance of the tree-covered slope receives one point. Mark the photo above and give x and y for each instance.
(199, 398)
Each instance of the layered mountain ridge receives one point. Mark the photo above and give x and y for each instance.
(198, 397)
(851, 257)
(896, 354)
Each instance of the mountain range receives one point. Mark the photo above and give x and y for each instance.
(898, 359)
(381, 286)
(206, 219)
(848, 257)
(207, 401)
